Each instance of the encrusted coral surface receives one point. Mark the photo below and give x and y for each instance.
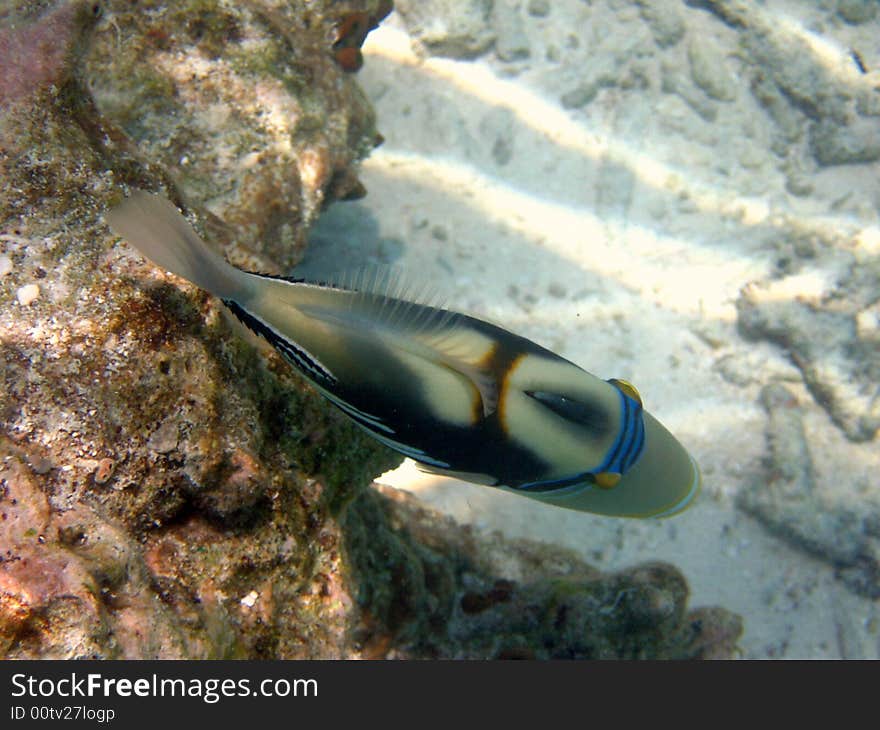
(790, 502)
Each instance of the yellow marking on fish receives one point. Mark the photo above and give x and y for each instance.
(607, 479)
(503, 387)
(628, 389)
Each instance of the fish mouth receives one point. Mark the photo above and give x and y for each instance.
(684, 503)
(665, 480)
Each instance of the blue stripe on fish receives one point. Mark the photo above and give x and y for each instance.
(553, 485)
(630, 440)
(622, 455)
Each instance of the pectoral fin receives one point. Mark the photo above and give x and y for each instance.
(469, 354)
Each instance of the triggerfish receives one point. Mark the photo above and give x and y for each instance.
(458, 395)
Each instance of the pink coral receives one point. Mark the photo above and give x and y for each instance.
(43, 52)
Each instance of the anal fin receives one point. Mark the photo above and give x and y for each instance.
(465, 476)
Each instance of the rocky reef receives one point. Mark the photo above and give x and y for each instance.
(846, 533)
(517, 599)
(168, 487)
(831, 335)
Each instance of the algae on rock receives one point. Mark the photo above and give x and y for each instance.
(135, 404)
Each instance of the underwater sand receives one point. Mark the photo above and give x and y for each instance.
(619, 234)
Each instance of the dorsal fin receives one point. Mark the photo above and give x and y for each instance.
(387, 297)
(392, 297)
(380, 296)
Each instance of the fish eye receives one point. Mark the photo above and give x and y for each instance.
(627, 388)
(580, 412)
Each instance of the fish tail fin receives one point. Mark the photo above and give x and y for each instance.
(158, 230)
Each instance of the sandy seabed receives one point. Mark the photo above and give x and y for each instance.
(583, 188)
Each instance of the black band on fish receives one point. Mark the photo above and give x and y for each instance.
(583, 414)
(289, 350)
